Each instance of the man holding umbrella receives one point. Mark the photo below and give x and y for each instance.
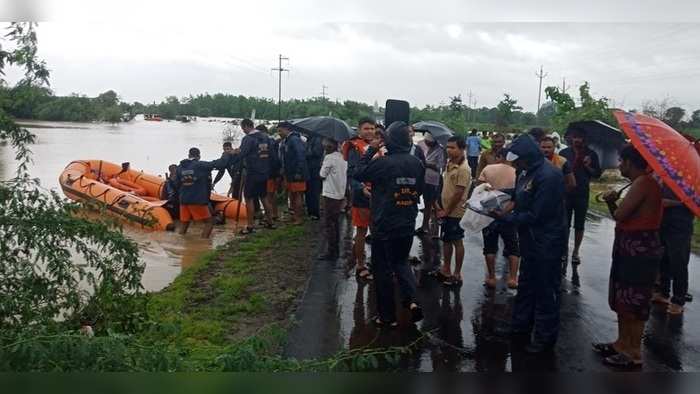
(314, 158)
(296, 173)
(586, 166)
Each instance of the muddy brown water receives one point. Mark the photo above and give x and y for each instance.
(148, 146)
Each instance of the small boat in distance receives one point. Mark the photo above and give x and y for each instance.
(152, 117)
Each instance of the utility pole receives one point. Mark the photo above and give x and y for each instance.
(323, 92)
(541, 75)
(469, 104)
(280, 69)
(564, 88)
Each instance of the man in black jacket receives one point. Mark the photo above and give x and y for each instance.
(397, 184)
(194, 186)
(314, 159)
(538, 212)
(296, 173)
(255, 153)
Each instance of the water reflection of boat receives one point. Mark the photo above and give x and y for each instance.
(130, 194)
(152, 117)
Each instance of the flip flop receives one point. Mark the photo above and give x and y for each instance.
(621, 361)
(440, 276)
(604, 349)
(247, 230)
(381, 323)
(359, 273)
(416, 313)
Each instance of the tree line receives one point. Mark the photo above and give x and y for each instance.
(30, 101)
(27, 100)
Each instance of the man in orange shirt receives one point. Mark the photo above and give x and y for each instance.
(353, 151)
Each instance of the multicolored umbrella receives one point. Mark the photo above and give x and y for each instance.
(672, 156)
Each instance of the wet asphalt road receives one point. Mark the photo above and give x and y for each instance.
(465, 329)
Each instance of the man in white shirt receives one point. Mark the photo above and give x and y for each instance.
(333, 173)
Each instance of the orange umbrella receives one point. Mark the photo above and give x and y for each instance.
(675, 158)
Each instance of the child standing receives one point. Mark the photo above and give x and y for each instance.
(334, 176)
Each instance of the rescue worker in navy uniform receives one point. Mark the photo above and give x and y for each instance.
(255, 153)
(397, 183)
(538, 211)
(314, 159)
(194, 185)
(171, 193)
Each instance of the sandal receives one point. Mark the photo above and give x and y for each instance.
(270, 226)
(247, 230)
(605, 349)
(440, 276)
(420, 232)
(576, 260)
(381, 323)
(363, 273)
(457, 281)
(621, 361)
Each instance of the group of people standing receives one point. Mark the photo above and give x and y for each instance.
(380, 176)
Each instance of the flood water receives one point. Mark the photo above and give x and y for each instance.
(148, 146)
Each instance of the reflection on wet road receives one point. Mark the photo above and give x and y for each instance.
(466, 328)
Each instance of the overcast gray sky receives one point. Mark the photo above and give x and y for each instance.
(630, 51)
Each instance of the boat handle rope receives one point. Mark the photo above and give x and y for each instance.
(89, 188)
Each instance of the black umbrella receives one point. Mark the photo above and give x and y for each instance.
(325, 126)
(598, 133)
(439, 131)
(604, 139)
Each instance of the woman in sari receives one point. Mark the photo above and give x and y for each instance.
(637, 252)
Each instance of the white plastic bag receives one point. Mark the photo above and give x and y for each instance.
(473, 221)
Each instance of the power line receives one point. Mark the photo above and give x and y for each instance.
(280, 69)
(471, 96)
(541, 75)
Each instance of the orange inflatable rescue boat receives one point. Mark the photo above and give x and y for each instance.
(130, 194)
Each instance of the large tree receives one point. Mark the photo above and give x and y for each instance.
(673, 116)
(506, 108)
(695, 118)
(566, 111)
